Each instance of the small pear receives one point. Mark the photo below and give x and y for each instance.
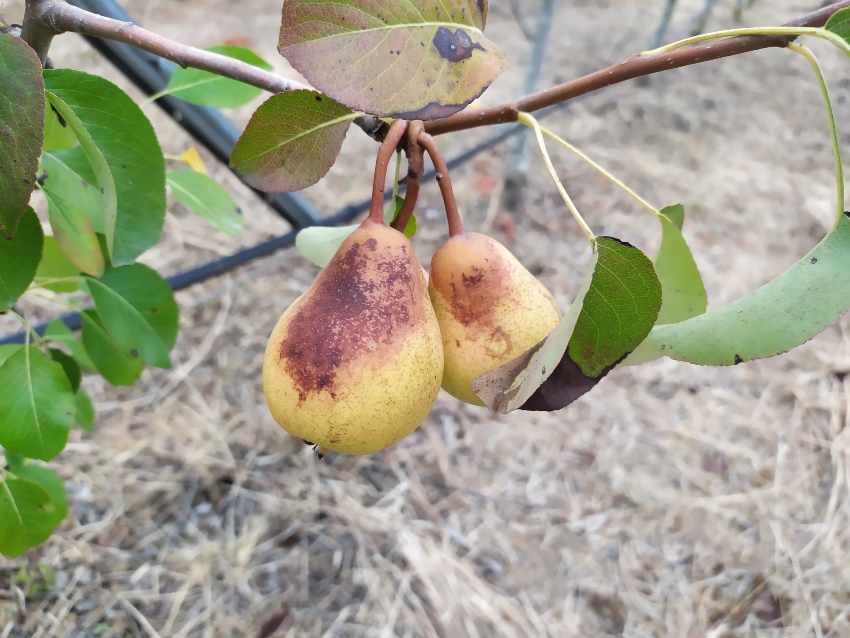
(355, 364)
(490, 309)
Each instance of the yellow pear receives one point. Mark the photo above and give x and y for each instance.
(355, 364)
(489, 307)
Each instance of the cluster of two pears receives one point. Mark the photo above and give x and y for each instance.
(356, 363)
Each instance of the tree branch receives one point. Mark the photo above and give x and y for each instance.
(60, 17)
(34, 31)
(634, 67)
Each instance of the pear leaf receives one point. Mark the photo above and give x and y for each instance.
(57, 134)
(839, 24)
(55, 265)
(419, 60)
(208, 199)
(781, 315)
(36, 405)
(70, 200)
(292, 141)
(319, 244)
(22, 112)
(108, 356)
(613, 312)
(126, 140)
(137, 307)
(27, 515)
(19, 258)
(683, 290)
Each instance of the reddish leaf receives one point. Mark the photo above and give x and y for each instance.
(417, 59)
(291, 141)
(22, 110)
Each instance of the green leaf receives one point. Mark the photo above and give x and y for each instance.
(779, 316)
(291, 142)
(7, 351)
(85, 414)
(117, 366)
(614, 311)
(319, 244)
(70, 177)
(58, 332)
(55, 265)
(412, 225)
(106, 215)
(839, 24)
(21, 128)
(69, 365)
(27, 516)
(417, 59)
(36, 405)
(137, 308)
(19, 259)
(127, 141)
(208, 89)
(206, 197)
(49, 481)
(67, 195)
(57, 134)
(683, 291)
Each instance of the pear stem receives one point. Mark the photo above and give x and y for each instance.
(406, 212)
(385, 154)
(445, 182)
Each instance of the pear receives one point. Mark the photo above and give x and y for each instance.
(489, 307)
(355, 364)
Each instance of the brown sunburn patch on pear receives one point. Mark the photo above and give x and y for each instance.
(347, 316)
(473, 277)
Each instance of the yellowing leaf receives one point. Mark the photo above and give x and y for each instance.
(193, 159)
(416, 59)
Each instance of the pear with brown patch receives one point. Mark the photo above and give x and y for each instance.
(355, 364)
(489, 307)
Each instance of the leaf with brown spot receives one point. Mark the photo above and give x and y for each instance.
(291, 141)
(417, 59)
(22, 110)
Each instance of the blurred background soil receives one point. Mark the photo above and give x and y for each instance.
(673, 500)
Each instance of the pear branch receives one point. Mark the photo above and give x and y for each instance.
(445, 183)
(415, 169)
(633, 67)
(385, 154)
(46, 18)
(61, 17)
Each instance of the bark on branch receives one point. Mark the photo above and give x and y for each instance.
(61, 17)
(46, 18)
(634, 67)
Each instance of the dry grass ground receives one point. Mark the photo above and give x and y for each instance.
(673, 500)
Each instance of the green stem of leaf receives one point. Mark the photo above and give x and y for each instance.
(529, 121)
(730, 33)
(32, 335)
(610, 176)
(830, 112)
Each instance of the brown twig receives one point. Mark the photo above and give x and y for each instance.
(385, 154)
(59, 16)
(634, 67)
(46, 18)
(34, 30)
(445, 183)
(415, 170)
